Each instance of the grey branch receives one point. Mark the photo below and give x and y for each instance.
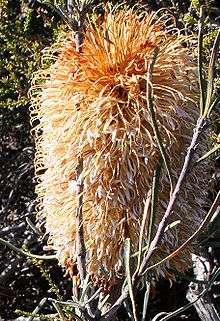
(200, 127)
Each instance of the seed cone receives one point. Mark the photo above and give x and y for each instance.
(94, 105)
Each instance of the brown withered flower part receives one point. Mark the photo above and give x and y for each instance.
(93, 105)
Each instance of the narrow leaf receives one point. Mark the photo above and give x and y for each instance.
(127, 252)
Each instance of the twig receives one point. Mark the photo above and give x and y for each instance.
(201, 125)
(151, 198)
(146, 298)
(154, 199)
(93, 297)
(141, 237)
(37, 309)
(59, 311)
(86, 285)
(127, 251)
(27, 254)
(209, 153)
(211, 69)
(103, 301)
(193, 236)
(187, 306)
(76, 305)
(68, 303)
(80, 244)
(111, 312)
(64, 15)
(37, 316)
(33, 227)
(150, 106)
(200, 72)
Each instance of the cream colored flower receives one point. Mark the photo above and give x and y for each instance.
(93, 105)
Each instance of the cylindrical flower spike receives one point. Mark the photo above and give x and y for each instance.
(93, 105)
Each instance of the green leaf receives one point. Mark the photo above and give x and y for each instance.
(172, 225)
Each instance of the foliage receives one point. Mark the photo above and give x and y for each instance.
(24, 32)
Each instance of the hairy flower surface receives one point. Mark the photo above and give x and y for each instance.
(93, 105)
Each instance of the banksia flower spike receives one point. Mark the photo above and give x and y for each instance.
(93, 105)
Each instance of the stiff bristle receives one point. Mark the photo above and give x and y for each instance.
(93, 105)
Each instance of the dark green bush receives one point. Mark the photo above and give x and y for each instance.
(24, 31)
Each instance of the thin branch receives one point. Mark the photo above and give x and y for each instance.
(187, 306)
(141, 237)
(111, 312)
(68, 303)
(33, 227)
(25, 253)
(37, 309)
(93, 297)
(63, 14)
(151, 199)
(154, 199)
(200, 127)
(85, 287)
(209, 153)
(150, 105)
(211, 69)
(127, 252)
(146, 299)
(80, 243)
(103, 301)
(200, 72)
(59, 311)
(195, 235)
